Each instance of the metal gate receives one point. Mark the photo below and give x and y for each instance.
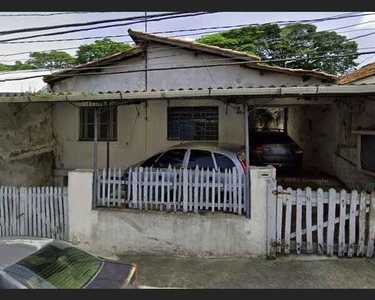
(322, 222)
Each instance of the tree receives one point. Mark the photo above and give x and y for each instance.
(271, 42)
(99, 49)
(50, 60)
(4, 67)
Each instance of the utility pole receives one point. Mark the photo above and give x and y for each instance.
(145, 21)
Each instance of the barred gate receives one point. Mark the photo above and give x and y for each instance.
(38, 212)
(188, 190)
(320, 222)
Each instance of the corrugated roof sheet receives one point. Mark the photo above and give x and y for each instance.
(364, 72)
(315, 87)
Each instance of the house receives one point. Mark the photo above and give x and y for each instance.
(142, 129)
(159, 94)
(162, 79)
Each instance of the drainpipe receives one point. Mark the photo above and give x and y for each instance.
(247, 175)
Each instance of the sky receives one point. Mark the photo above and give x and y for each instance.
(216, 19)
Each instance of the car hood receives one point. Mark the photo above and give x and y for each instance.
(113, 275)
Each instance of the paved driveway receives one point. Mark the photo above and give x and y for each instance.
(285, 272)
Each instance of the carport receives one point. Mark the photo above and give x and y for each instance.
(243, 99)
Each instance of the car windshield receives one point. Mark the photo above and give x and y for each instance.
(56, 266)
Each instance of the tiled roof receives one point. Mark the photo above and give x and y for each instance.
(364, 72)
(138, 36)
(97, 63)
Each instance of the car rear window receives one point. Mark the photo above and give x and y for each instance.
(200, 158)
(174, 158)
(270, 138)
(56, 266)
(223, 162)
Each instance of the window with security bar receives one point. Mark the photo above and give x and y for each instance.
(107, 117)
(193, 123)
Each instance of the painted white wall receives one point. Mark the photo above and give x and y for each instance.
(138, 137)
(110, 232)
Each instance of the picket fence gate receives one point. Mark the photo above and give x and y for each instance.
(187, 190)
(36, 211)
(322, 222)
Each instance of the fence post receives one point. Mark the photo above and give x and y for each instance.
(185, 190)
(271, 219)
(80, 193)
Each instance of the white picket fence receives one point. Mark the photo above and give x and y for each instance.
(321, 222)
(187, 190)
(37, 211)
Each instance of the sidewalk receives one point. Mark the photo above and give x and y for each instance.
(285, 272)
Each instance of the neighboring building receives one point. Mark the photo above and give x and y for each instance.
(365, 74)
(326, 133)
(25, 81)
(26, 136)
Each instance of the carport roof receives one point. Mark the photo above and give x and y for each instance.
(230, 93)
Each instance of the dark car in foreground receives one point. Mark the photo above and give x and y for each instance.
(41, 263)
(276, 148)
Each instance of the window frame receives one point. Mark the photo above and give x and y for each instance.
(359, 134)
(169, 108)
(83, 113)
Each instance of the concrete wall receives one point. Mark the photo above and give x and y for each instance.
(322, 131)
(26, 145)
(110, 232)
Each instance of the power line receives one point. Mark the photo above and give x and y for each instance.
(170, 31)
(50, 14)
(195, 67)
(102, 27)
(43, 28)
(174, 31)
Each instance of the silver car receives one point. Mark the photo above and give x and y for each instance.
(41, 263)
(212, 155)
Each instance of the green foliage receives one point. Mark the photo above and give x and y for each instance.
(4, 68)
(99, 49)
(269, 41)
(50, 60)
